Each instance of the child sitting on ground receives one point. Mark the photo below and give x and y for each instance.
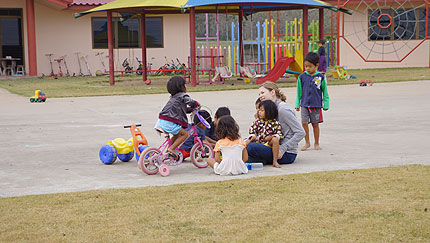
(210, 133)
(232, 148)
(185, 148)
(173, 117)
(266, 129)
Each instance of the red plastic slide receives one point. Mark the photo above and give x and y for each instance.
(278, 70)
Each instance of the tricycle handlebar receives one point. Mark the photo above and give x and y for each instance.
(137, 125)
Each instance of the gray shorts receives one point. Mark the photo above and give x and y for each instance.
(312, 115)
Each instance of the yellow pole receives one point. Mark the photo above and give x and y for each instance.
(301, 34)
(229, 58)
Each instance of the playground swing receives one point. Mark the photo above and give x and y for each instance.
(222, 72)
(246, 71)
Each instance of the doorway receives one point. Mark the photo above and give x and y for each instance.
(11, 34)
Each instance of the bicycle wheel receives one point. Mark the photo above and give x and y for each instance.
(197, 156)
(148, 161)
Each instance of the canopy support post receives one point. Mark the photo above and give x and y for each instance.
(143, 40)
(241, 61)
(193, 46)
(110, 46)
(305, 36)
(321, 23)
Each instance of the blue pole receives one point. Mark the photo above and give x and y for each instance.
(328, 53)
(232, 47)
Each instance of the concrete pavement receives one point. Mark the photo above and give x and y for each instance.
(53, 147)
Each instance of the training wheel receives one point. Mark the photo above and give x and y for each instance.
(164, 170)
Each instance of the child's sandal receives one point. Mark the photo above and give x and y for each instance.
(174, 156)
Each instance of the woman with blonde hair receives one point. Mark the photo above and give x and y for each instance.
(291, 128)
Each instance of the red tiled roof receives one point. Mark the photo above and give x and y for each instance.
(91, 2)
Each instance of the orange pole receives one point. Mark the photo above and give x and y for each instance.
(338, 37)
(31, 38)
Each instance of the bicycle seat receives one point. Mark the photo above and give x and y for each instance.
(160, 130)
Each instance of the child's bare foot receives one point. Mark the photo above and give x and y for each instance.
(317, 147)
(305, 147)
(275, 164)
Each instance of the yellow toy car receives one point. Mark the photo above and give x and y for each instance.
(39, 96)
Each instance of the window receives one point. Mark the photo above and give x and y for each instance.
(126, 34)
(380, 24)
(404, 24)
(422, 24)
(11, 41)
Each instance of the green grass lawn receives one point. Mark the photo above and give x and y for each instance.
(371, 205)
(133, 85)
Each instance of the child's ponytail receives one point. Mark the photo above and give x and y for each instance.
(272, 86)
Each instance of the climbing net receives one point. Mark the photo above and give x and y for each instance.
(381, 30)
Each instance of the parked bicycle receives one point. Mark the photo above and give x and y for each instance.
(127, 66)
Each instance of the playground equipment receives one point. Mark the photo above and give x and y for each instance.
(156, 160)
(124, 149)
(39, 96)
(247, 72)
(340, 72)
(280, 68)
(222, 73)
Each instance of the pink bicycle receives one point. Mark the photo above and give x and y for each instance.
(156, 160)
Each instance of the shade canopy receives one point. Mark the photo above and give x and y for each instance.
(208, 6)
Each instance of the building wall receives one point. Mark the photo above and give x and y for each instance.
(59, 33)
(355, 31)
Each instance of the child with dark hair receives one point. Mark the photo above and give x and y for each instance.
(257, 107)
(312, 96)
(210, 133)
(232, 148)
(266, 129)
(322, 67)
(173, 117)
(185, 148)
